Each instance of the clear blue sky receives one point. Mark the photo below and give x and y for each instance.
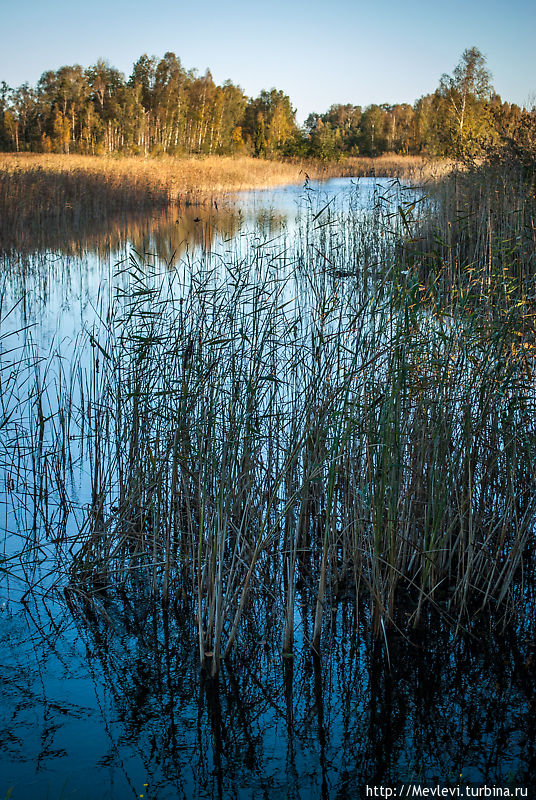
(319, 53)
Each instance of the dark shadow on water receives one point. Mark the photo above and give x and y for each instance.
(433, 710)
(166, 234)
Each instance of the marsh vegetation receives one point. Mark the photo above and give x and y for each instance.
(294, 461)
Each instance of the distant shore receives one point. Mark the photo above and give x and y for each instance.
(35, 188)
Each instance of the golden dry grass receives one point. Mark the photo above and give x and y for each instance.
(411, 168)
(165, 179)
(44, 192)
(196, 180)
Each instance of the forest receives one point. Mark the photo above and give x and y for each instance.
(164, 108)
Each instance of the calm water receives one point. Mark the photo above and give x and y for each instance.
(110, 702)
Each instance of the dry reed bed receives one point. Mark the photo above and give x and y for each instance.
(53, 190)
(411, 169)
(171, 179)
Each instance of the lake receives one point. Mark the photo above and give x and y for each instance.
(188, 445)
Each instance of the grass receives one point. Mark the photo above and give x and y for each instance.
(39, 191)
(346, 413)
(410, 169)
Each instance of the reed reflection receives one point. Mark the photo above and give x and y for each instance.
(167, 234)
(425, 709)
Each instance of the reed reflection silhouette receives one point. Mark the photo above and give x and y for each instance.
(428, 709)
(167, 234)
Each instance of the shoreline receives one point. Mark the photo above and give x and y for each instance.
(66, 194)
(50, 182)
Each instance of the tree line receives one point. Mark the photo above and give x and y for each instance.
(164, 108)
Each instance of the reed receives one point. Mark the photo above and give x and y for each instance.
(410, 169)
(482, 222)
(349, 412)
(42, 191)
